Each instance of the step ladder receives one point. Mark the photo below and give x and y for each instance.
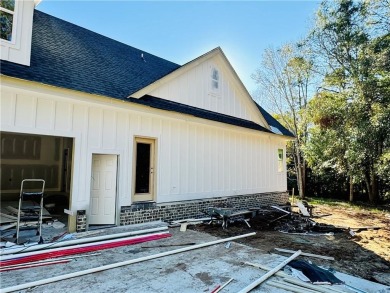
(30, 216)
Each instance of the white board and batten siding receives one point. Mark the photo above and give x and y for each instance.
(195, 158)
(194, 88)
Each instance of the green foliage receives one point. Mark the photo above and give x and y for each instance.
(350, 114)
(8, 4)
(342, 127)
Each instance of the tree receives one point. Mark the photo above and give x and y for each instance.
(351, 44)
(283, 81)
(327, 148)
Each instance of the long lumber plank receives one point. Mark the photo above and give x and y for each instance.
(118, 264)
(270, 273)
(65, 251)
(306, 254)
(33, 265)
(288, 287)
(18, 249)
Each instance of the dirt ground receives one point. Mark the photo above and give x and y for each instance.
(364, 255)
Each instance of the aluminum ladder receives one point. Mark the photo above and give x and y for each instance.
(30, 213)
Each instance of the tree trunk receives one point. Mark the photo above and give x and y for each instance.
(300, 172)
(368, 185)
(350, 188)
(303, 173)
(374, 196)
(372, 187)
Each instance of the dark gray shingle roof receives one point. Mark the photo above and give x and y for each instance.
(274, 124)
(69, 56)
(167, 105)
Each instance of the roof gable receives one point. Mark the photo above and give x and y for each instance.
(191, 84)
(72, 57)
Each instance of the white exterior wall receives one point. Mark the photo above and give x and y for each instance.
(195, 158)
(193, 88)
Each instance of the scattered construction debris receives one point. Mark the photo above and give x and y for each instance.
(270, 273)
(185, 222)
(77, 249)
(205, 271)
(287, 219)
(34, 247)
(306, 254)
(289, 279)
(315, 273)
(120, 264)
(43, 262)
(29, 219)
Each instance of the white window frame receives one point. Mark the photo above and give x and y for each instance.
(215, 91)
(14, 23)
(280, 160)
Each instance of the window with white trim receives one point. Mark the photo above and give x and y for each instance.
(215, 79)
(7, 19)
(280, 160)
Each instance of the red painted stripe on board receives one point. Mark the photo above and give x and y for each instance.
(34, 265)
(72, 251)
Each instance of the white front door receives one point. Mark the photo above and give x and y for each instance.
(103, 190)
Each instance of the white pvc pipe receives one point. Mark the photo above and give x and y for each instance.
(223, 286)
(11, 250)
(291, 288)
(306, 254)
(320, 288)
(9, 257)
(118, 264)
(270, 273)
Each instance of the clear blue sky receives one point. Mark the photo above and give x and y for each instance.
(180, 31)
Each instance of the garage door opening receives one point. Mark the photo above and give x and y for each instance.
(28, 156)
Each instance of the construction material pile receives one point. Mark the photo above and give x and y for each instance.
(298, 219)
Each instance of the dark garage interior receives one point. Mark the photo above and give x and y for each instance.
(30, 156)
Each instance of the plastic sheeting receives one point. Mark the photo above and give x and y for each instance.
(314, 273)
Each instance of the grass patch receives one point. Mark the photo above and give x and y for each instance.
(361, 206)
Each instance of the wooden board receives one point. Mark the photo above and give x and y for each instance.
(303, 209)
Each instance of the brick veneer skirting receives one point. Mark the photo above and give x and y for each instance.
(196, 208)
